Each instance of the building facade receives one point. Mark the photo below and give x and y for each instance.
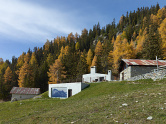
(20, 93)
(65, 90)
(134, 67)
(96, 77)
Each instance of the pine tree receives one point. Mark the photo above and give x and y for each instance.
(47, 45)
(140, 41)
(50, 59)
(82, 67)
(43, 77)
(71, 38)
(152, 45)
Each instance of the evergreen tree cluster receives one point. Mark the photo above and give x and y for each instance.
(138, 35)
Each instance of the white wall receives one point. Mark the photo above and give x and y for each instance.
(93, 75)
(22, 96)
(76, 87)
(127, 73)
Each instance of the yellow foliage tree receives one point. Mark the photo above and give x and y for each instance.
(117, 53)
(61, 54)
(56, 72)
(94, 62)
(20, 60)
(98, 49)
(140, 40)
(33, 59)
(89, 58)
(122, 50)
(124, 35)
(77, 46)
(154, 19)
(27, 58)
(161, 14)
(162, 31)
(8, 78)
(64, 51)
(25, 76)
(129, 52)
(113, 40)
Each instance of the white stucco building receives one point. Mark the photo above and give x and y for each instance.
(96, 77)
(65, 90)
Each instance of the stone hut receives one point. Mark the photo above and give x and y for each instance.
(134, 67)
(20, 93)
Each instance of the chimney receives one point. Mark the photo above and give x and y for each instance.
(93, 70)
(109, 75)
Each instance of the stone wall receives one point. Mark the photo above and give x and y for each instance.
(139, 70)
(133, 71)
(125, 74)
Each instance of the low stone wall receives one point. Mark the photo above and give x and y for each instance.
(154, 75)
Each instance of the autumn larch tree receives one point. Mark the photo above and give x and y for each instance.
(89, 59)
(34, 66)
(26, 78)
(98, 49)
(8, 79)
(94, 62)
(162, 31)
(56, 72)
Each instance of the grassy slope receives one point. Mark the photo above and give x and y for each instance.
(100, 103)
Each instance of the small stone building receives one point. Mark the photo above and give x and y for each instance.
(65, 90)
(134, 67)
(20, 93)
(96, 77)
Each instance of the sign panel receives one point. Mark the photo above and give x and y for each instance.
(59, 92)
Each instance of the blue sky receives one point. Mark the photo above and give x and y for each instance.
(26, 24)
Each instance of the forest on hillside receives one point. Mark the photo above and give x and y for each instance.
(140, 34)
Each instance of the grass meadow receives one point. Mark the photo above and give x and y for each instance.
(105, 102)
